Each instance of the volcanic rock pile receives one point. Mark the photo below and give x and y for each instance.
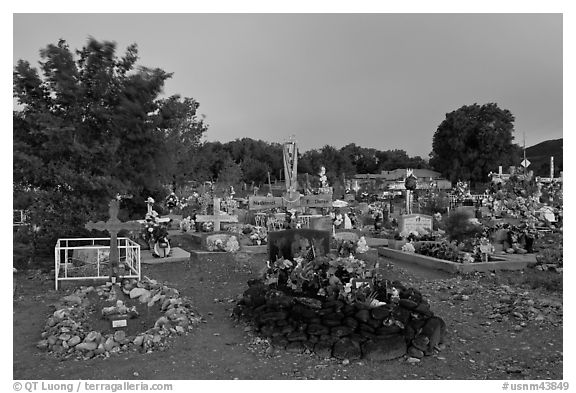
(68, 332)
(404, 325)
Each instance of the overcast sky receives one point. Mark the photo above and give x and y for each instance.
(378, 80)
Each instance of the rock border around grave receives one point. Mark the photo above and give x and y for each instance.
(334, 328)
(68, 335)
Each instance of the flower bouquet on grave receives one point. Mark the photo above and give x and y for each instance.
(156, 234)
(483, 250)
(337, 219)
(259, 236)
(362, 246)
(207, 226)
(171, 201)
(230, 245)
(408, 247)
(187, 225)
(346, 248)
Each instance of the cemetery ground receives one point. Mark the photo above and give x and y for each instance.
(499, 326)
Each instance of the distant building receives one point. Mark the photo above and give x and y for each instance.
(394, 180)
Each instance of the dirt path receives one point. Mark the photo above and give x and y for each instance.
(478, 347)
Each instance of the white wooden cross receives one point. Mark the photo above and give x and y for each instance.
(217, 217)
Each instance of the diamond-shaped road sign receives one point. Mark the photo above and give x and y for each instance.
(525, 163)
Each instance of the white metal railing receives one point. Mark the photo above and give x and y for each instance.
(19, 217)
(477, 198)
(68, 266)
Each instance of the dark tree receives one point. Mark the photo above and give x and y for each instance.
(472, 141)
(88, 126)
(182, 129)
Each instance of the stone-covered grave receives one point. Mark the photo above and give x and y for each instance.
(97, 321)
(337, 307)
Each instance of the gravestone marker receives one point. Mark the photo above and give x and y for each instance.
(347, 236)
(218, 216)
(415, 222)
(286, 244)
(319, 201)
(264, 202)
(321, 223)
(113, 226)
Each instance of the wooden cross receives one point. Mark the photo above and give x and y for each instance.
(217, 217)
(113, 226)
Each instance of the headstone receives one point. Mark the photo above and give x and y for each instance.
(415, 222)
(347, 236)
(321, 224)
(263, 202)
(113, 226)
(218, 217)
(286, 244)
(320, 200)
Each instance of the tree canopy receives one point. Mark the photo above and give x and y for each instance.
(472, 141)
(90, 125)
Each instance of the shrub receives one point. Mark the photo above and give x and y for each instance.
(459, 227)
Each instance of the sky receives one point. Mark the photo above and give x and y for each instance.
(374, 79)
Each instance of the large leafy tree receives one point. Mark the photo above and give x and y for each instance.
(182, 128)
(472, 141)
(89, 125)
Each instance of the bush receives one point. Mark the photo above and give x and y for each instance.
(459, 228)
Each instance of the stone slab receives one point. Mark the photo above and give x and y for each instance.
(376, 242)
(514, 263)
(262, 249)
(176, 255)
(196, 253)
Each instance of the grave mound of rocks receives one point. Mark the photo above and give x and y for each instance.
(390, 325)
(128, 316)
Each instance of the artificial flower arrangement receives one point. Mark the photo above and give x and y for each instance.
(259, 236)
(172, 201)
(154, 232)
(419, 235)
(207, 226)
(346, 248)
(337, 218)
(187, 224)
(331, 277)
(408, 247)
(230, 245)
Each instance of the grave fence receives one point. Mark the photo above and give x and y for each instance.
(88, 259)
(476, 198)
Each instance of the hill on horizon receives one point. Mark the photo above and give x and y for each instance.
(539, 157)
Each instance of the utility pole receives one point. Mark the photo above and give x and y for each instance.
(524, 135)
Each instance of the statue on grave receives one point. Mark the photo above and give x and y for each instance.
(290, 155)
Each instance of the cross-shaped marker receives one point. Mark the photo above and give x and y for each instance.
(217, 217)
(113, 226)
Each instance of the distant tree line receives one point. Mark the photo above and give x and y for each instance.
(250, 161)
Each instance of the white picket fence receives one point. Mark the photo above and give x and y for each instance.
(68, 264)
